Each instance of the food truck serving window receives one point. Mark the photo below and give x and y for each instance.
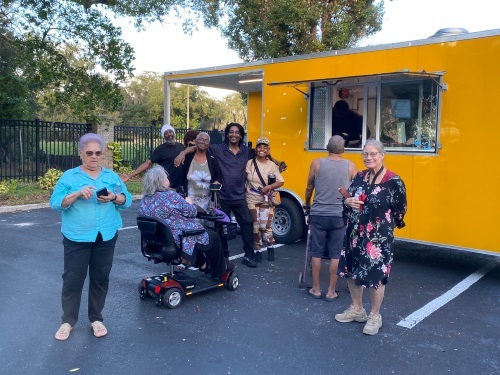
(399, 109)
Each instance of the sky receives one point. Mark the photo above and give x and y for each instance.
(164, 47)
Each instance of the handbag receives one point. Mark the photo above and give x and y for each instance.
(274, 198)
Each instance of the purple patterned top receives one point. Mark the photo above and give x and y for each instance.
(178, 214)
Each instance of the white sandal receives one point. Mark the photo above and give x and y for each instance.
(63, 332)
(99, 329)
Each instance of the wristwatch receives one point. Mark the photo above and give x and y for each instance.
(114, 199)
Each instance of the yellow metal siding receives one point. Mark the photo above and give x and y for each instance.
(453, 195)
(443, 189)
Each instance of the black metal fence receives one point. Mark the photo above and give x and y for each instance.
(138, 142)
(28, 148)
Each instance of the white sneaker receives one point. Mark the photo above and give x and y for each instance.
(373, 324)
(351, 315)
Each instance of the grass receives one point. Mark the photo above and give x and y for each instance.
(30, 193)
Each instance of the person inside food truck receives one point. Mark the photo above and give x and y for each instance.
(347, 123)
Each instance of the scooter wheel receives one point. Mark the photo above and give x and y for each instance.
(143, 293)
(233, 282)
(172, 298)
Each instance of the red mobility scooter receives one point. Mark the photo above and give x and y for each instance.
(157, 244)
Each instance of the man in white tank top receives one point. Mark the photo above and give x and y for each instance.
(326, 224)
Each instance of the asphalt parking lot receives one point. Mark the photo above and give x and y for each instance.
(267, 326)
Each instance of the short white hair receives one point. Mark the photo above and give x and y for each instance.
(153, 180)
(374, 143)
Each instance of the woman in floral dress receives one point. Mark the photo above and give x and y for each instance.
(180, 214)
(366, 257)
(201, 170)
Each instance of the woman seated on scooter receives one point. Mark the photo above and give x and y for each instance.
(180, 214)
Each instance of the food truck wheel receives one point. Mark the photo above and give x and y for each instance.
(288, 221)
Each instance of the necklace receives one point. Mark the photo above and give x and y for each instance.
(372, 184)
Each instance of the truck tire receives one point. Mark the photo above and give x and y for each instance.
(288, 222)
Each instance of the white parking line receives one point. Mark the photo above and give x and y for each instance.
(413, 319)
(124, 228)
(230, 258)
(261, 250)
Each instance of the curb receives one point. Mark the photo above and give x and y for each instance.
(36, 206)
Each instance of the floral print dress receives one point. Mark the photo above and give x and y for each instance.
(178, 214)
(367, 252)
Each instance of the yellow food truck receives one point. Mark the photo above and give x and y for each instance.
(431, 102)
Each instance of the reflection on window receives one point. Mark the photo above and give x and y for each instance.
(399, 110)
(408, 115)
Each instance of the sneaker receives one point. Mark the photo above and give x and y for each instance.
(258, 257)
(373, 324)
(249, 262)
(351, 315)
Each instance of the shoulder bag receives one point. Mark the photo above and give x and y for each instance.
(273, 196)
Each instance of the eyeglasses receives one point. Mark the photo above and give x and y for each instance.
(91, 153)
(364, 155)
(203, 140)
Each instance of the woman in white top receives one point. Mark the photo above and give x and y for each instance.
(257, 191)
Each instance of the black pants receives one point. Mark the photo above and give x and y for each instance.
(244, 219)
(97, 258)
(213, 252)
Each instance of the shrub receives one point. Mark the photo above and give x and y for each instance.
(8, 187)
(119, 165)
(50, 179)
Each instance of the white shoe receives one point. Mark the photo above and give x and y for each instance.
(373, 324)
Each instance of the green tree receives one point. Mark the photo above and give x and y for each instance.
(260, 29)
(84, 80)
(15, 99)
(203, 109)
(143, 100)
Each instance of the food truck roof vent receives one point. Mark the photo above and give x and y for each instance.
(449, 31)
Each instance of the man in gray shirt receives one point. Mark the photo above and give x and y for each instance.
(327, 229)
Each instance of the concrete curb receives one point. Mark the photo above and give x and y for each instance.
(36, 206)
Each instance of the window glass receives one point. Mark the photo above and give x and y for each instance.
(317, 134)
(401, 112)
(347, 114)
(408, 114)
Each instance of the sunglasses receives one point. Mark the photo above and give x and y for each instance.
(91, 153)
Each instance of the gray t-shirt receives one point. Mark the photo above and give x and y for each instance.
(332, 174)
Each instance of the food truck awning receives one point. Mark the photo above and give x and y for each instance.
(362, 79)
(251, 81)
(242, 81)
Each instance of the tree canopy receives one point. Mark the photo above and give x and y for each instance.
(66, 58)
(191, 107)
(260, 29)
(70, 50)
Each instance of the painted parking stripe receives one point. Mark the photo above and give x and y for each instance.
(230, 258)
(413, 319)
(261, 250)
(125, 228)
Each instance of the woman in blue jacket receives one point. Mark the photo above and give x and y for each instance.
(89, 198)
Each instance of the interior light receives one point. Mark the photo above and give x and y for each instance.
(250, 80)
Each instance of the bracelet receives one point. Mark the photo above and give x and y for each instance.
(114, 199)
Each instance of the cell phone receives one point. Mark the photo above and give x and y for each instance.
(344, 192)
(102, 192)
(215, 186)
